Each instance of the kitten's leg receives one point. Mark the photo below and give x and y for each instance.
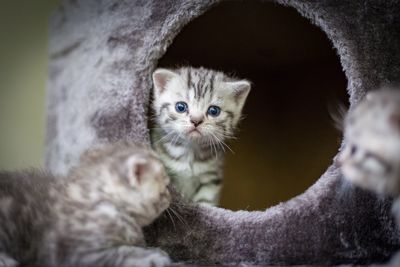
(123, 256)
(6, 261)
(208, 193)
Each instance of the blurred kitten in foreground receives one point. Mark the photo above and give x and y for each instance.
(92, 217)
(371, 157)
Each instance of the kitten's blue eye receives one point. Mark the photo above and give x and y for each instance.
(181, 107)
(214, 111)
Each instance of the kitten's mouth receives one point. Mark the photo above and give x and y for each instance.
(194, 132)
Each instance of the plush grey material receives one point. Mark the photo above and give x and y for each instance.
(102, 54)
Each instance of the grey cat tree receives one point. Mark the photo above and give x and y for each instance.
(102, 54)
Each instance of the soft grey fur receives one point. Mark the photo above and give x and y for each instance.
(102, 54)
(371, 156)
(91, 218)
(191, 143)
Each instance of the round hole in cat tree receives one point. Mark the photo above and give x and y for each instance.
(287, 138)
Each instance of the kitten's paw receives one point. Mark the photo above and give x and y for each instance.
(157, 259)
(153, 258)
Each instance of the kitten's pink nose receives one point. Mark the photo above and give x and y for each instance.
(196, 121)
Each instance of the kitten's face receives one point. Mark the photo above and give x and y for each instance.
(131, 177)
(371, 157)
(197, 105)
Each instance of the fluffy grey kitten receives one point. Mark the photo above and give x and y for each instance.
(196, 110)
(92, 217)
(371, 157)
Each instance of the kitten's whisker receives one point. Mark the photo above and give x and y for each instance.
(164, 137)
(208, 142)
(211, 140)
(177, 215)
(170, 216)
(213, 147)
(221, 146)
(222, 143)
(337, 114)
(224, 135)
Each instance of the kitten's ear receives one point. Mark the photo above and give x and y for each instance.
(161, 78)
(136, 168)
(240, 90)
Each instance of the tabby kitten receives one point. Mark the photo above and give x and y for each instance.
(196, 110)
(92, 217)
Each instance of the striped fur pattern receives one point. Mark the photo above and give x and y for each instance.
(93, 217)
(191, 142)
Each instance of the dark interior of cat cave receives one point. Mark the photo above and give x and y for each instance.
(287, 138)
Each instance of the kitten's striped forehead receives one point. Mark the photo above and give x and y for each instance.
(201, 81)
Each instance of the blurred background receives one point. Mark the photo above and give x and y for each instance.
(23, 74)
(287, 138)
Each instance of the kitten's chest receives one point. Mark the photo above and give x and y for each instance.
(190, 161)
(189, 169)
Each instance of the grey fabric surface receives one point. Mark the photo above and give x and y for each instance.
(102, 53)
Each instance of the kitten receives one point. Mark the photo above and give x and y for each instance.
(196, 110)
(92, 217)
(371, 157)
